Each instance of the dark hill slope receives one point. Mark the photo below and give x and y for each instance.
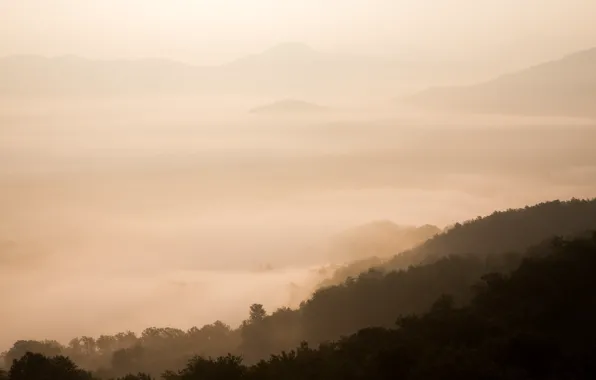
(513, 230)
(536, 322)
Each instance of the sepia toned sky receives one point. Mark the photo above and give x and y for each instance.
(214, 31)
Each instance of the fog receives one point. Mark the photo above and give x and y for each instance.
(121, 214)
(179, 190)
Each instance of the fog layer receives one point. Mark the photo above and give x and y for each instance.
(124, 213)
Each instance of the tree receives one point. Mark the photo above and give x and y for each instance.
(227, 367)
(508, 323)
(21, 347)
(127, 360)
(257, 313)
(106, 343)
(139, 376)
(39, 367)
(126, 339)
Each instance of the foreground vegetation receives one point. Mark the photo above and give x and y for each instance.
(472, 327)
(534, 323)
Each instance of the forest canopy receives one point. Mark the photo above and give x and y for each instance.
(533, 323)
(490, 252)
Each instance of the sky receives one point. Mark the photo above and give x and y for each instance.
(214, 31)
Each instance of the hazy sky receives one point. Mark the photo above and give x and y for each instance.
(211, 31)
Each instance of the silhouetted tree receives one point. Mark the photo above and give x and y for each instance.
(21, 347)
(257, 313)
(223, 368)
(139, 376)
(474, 304)
(39, 367)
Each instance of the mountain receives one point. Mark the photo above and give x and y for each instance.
(377, 239)
(289, 107)
(534, 322)
(303, 71)
(369, 246)
(513, 230)
(502, 232)
(286, 68)
(566, 87)
(71, 75)
(546, 282)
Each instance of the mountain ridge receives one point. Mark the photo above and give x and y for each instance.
(561, 87)
(282, 69)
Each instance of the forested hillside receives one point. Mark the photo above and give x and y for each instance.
(534, 323)
(378, 239)
(509, 231)
(450, 263)
(513, 230)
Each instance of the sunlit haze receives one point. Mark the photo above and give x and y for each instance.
(217, 31)
(169, 163)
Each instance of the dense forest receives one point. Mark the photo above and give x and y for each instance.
(513, 230)
(534, 323)
(465, 308)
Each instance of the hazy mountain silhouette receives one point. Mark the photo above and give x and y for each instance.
(566, 87)
(512, 230)
(301, 70)
(36, 75)
(502, 232)
(378, 239)
(289, 106)
(286, 68)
